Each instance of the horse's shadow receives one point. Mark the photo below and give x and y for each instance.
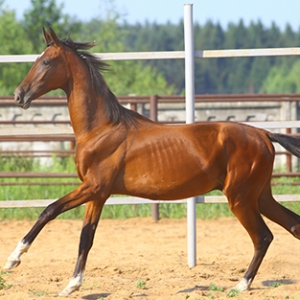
(104, 295)
(266, 283)
(275, 283)
(194, 288)
(95, 296)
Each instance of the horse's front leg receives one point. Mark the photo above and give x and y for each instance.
(91, 218)
(76, 198)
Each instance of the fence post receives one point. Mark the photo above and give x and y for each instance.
(190, 118)
(153, 117)
(288, 155)
(153, 108)
(133, 106)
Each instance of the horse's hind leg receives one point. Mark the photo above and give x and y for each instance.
(277, 213)
(92, 214)
(249, 216)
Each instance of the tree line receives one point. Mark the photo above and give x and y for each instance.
(112, 34)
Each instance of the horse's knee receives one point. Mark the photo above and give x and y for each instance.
(266, 240)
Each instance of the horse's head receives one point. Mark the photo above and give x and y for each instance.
(48, 73)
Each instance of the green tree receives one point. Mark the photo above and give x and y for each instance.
(282, 79)
(12, 42)
(159, 37)
(45, 13)
(228, 75)
(124, 77)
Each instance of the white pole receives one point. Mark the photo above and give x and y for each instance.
(190, 118)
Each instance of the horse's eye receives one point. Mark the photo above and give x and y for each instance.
(46, 62)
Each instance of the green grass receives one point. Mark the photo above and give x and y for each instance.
(276, 284)
(141, 284)
(3, 284)
(214, 287)
(27, 192)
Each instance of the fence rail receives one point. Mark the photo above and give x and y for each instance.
(171, 54)
(136, 200)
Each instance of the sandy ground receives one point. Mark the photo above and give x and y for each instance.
(128, 252)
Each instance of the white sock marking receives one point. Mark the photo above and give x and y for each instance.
(243, 285)
(74, 285)
(14, 259)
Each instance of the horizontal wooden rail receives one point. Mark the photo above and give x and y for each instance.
(42, 183)
(37, 175)
(37, 153)
(38, 138)
(62, 100)
(74, 175)
(29, 175)
(35, 122)
(42, 132)
(285, 174)
(136, 200)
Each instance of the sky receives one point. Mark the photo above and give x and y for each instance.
(161, 11)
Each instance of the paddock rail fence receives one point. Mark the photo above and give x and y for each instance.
(230, 53)
(148, 105)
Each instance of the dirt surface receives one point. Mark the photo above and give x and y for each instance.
(141, 259)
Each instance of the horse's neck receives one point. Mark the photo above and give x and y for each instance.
(86, 112)
(86, 107)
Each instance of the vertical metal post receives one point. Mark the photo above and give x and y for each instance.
(153, 117)
(190, 118)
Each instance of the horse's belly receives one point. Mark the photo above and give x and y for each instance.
(168, 185)
(170, 166)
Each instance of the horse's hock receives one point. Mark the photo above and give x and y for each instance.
(12, 116)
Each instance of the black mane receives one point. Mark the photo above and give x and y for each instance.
(114, 110)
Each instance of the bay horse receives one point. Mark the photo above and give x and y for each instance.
(121, 152)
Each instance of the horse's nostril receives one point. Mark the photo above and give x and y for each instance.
(18, 95)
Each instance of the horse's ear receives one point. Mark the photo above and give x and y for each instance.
(54, 37)
(47, 37)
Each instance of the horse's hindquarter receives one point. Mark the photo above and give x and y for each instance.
(172, 162)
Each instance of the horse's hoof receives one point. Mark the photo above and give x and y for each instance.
(74, 285)
(11, 264)
(68, 290)
(243, 285)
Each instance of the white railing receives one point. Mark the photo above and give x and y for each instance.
(229, 53)
(136, 200)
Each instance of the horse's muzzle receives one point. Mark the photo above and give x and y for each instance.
(22, 98)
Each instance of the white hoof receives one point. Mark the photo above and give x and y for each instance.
(11, 264)
(74, 285)
(243, 285)
(68, 290)
(14, 259)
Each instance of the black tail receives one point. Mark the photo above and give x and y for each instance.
(290, 143)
